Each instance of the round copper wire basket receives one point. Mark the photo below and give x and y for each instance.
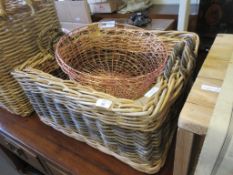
(123, 62)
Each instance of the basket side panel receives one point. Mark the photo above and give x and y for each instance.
(55, 110)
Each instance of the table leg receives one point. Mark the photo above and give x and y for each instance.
(184, 145)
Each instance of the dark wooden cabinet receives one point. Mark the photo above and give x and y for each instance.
(23, 153)
(55, 170)
(30, 157)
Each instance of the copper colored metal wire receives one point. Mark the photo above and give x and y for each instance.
(121, 62)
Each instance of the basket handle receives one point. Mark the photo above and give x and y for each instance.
(30, 4)
(48, 38)
(3, 13)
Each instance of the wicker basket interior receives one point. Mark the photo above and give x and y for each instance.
(120, 62)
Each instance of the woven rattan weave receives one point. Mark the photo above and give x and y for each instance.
(20, 25)
(137, 132)
(120, 62)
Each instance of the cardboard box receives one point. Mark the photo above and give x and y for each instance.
(96, 1)
(73, 13)
(106, 6)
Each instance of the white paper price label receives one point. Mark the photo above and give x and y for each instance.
(210, 88)
(66, 31)
(108, 24)
(103, 103)
(151, 92)
(78, 19)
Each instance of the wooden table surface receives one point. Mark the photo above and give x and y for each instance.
(73, 156)
(156, 24)
(198, 109)
(156, 11)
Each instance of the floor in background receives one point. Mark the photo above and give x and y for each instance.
(5, 167)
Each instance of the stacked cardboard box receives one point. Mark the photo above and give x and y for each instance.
(73, 14)
(105, 6)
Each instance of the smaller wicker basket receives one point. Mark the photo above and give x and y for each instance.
(120, 62)
(21, 21)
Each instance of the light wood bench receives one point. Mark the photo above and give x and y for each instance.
(198, 109)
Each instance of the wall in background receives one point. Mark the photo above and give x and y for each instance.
(173, 1)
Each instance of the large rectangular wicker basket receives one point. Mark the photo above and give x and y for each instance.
(137, 132)
(18, 42)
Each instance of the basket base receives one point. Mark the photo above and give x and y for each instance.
(145, 168)
(23, 110)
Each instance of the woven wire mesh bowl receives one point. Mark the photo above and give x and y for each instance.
(122, 62)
